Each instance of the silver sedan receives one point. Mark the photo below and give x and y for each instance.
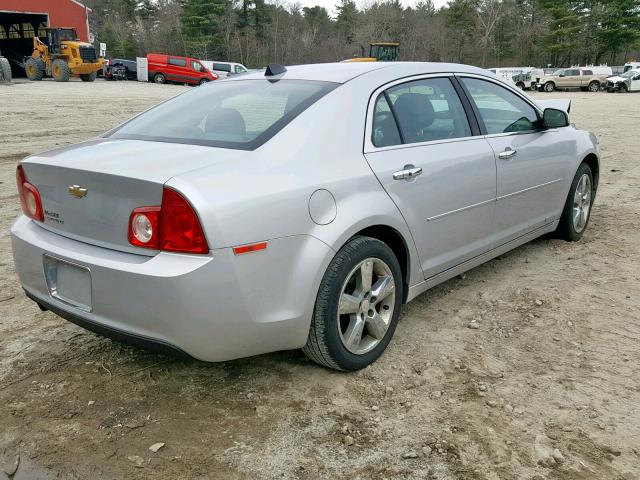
(296, 208)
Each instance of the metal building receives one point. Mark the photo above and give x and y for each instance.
(21, 20)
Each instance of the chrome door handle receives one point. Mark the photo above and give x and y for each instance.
(507, 154)
(408, 172)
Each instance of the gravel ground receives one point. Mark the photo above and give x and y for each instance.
(547, 386)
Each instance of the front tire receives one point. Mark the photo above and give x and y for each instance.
(34, 68)
(159, 78)
(594, 86)
(357, 306)
(577, 208)
(549, 87)
(60, 70)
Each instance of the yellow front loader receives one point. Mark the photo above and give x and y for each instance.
(378, 52)
(61, 55)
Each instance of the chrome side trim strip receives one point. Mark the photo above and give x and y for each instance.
(458, 210)
(501, 197)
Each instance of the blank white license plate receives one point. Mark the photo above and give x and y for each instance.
(68, 282)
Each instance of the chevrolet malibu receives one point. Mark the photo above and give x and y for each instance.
(296, 208)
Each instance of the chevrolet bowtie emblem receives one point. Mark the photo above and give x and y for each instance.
(77, 191)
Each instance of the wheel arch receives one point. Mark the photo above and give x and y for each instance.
(592, 160)
(397, 243)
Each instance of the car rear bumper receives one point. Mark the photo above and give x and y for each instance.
(212, 307)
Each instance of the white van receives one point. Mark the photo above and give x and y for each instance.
(224, 69)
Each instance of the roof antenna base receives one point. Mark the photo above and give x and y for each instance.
(274, 69)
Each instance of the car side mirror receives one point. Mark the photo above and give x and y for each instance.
(561, 75)
(554, 118)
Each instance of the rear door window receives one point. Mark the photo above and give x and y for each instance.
(425, 110)
(501, 110)
(222, 67)
(241, 114)
(385, 131)
(178, 62)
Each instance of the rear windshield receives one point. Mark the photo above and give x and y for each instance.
(241, 114)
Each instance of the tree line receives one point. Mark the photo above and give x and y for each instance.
(486, 33)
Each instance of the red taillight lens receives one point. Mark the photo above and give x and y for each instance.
(29, 196)
(144, 228)
(172, 227)
(180, 229)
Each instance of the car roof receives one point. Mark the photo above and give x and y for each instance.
(344, 71)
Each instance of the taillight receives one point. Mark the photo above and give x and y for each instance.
(173, 227)
(29, 196)
(144, 227)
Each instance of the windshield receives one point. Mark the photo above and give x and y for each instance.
(67, 34)
(630, 73)
(557, 73)
(230, 114)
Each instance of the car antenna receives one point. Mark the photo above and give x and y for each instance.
(274, 69)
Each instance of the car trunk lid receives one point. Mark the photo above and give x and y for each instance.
(89, 190)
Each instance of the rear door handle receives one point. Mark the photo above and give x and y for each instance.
(507, 154)
(408, 172)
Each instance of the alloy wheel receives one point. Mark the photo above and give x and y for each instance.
(582, 203)
(366, 305)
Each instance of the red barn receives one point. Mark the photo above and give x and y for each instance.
(21, 20)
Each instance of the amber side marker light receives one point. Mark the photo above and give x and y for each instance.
(253, 247)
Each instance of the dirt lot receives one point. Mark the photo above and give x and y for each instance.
(547, 387)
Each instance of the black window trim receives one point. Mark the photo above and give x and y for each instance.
(483, 128)
(369, 146)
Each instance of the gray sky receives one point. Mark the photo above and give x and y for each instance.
(330, 4)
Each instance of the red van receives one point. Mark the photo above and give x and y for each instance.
(169, 68)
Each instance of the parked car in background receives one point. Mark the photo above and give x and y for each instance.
(528, 78)
(524, 78)
(628, 81)
(225, 69)
(585, 78)
(297, 208)
(631, 66)
(121, 69)
(170, 68)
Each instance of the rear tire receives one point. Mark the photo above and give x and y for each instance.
(549, 87)
(5, 70)
(357, 306)
(60, 70)
(577, 208)
(594, 86)
(88, 77)
(159, 78)
(34, 68)
(520, 85)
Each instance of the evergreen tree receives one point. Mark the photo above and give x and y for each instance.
(201, 22)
